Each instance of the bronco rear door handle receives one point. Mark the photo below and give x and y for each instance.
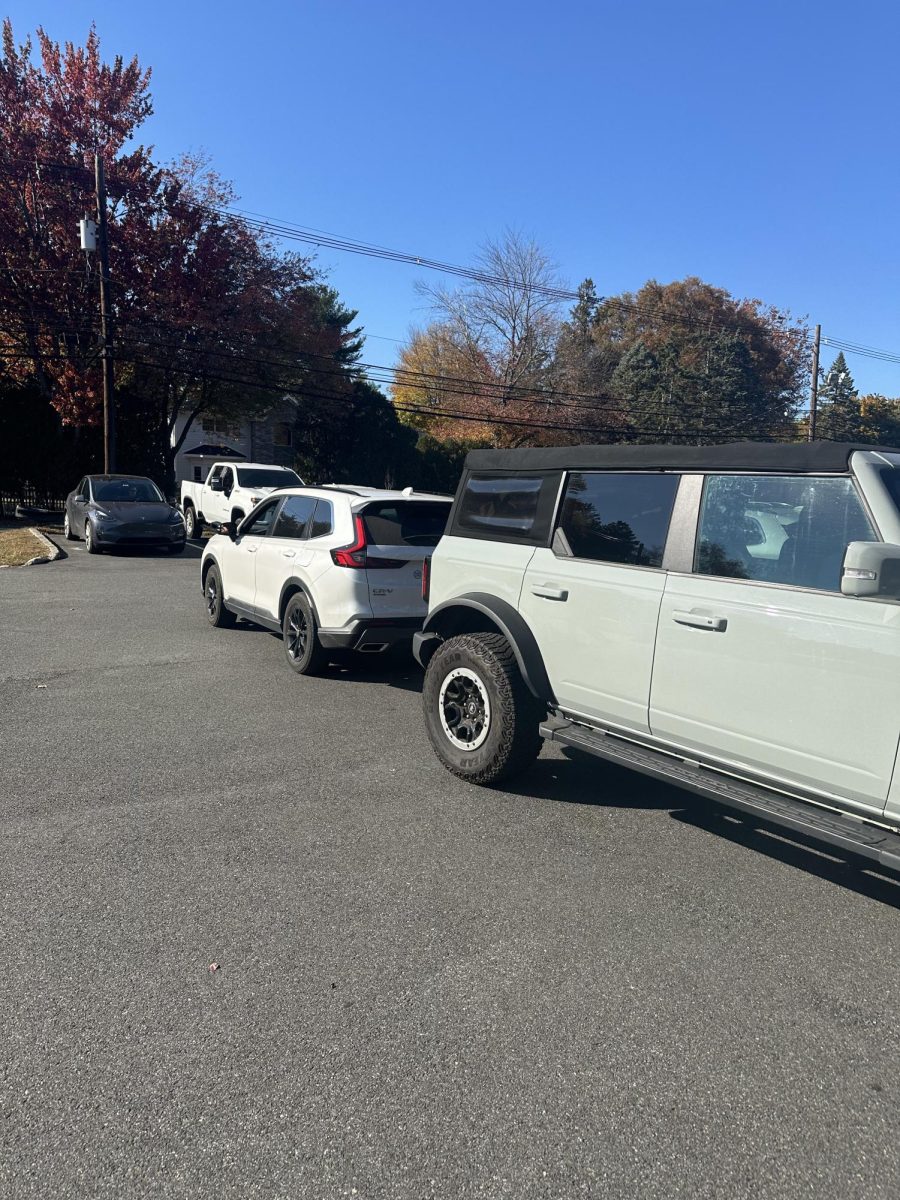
(700, 621)
(550, 593)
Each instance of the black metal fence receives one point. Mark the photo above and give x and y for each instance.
(30, 497)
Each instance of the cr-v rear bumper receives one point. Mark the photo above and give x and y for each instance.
(371, 634)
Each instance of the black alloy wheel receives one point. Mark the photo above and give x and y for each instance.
(302, 648)
(217, 614)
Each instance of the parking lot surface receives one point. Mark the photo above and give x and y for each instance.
(586, 985)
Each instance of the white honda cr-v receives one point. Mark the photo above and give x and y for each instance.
(332, 568)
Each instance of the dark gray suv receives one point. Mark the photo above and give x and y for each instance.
(122, 510)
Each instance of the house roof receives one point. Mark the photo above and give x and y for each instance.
(208, 450)
(735, 456)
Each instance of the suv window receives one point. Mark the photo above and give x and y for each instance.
(792, 530)
(405, 522)
(261, 521)
(618, 518)
(323, 520)
(507, 508)
(293, 520)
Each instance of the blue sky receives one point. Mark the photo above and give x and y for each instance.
(752, 144)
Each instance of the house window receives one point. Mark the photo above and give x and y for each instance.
(220, 427)
(198, 473)
(281, 434)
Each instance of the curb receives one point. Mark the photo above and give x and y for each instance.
(53, 552)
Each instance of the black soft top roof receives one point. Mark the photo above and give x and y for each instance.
(735, 456)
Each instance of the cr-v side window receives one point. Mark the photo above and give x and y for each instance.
(261, 521)
(787, 529)
(615, 517)
(293, 520)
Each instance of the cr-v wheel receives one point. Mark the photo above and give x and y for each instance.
(302, 648)
(216, 612)
(482, 720)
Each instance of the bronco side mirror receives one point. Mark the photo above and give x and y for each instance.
(871, 569)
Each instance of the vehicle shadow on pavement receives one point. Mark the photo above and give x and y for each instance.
(191, 550)
(579, 778)
(392, 671)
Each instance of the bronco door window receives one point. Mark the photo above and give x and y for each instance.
(615, 517)
(787, 529)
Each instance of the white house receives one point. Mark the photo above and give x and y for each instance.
(266, 438)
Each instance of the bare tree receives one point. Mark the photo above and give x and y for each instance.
(507, 320)
(499, 332)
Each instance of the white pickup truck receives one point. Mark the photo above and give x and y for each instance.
(231, 490)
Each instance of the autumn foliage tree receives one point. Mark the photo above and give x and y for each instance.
(483, 369)
(686, 361)
(209, 317)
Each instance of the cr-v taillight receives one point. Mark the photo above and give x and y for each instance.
(353, 555)
(426, 578)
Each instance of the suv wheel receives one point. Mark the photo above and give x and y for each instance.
(482, 720)
(216, 613)
(302, 648)
(90, 542)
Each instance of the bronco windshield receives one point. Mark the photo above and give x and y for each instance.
(260, 477)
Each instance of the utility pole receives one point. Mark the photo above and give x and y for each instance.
(814, 389)
(109, 400)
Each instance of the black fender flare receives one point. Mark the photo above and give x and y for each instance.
(296, 585)
(507, 621)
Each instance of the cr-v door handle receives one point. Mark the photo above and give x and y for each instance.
(700, 621)
(550, 593)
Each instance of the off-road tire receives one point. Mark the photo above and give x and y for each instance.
(302, 648)
(217, 614)
(193, 526)
(513, 738)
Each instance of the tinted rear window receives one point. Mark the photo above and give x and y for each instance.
(405, 523)
(507, 507)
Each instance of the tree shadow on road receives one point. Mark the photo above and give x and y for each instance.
(579, 778)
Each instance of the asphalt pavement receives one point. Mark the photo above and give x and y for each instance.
(587, 985)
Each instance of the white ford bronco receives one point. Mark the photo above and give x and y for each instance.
(725, 618)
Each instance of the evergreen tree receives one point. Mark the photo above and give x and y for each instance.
(840, 417)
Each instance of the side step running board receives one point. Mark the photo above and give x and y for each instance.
(847, 832)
